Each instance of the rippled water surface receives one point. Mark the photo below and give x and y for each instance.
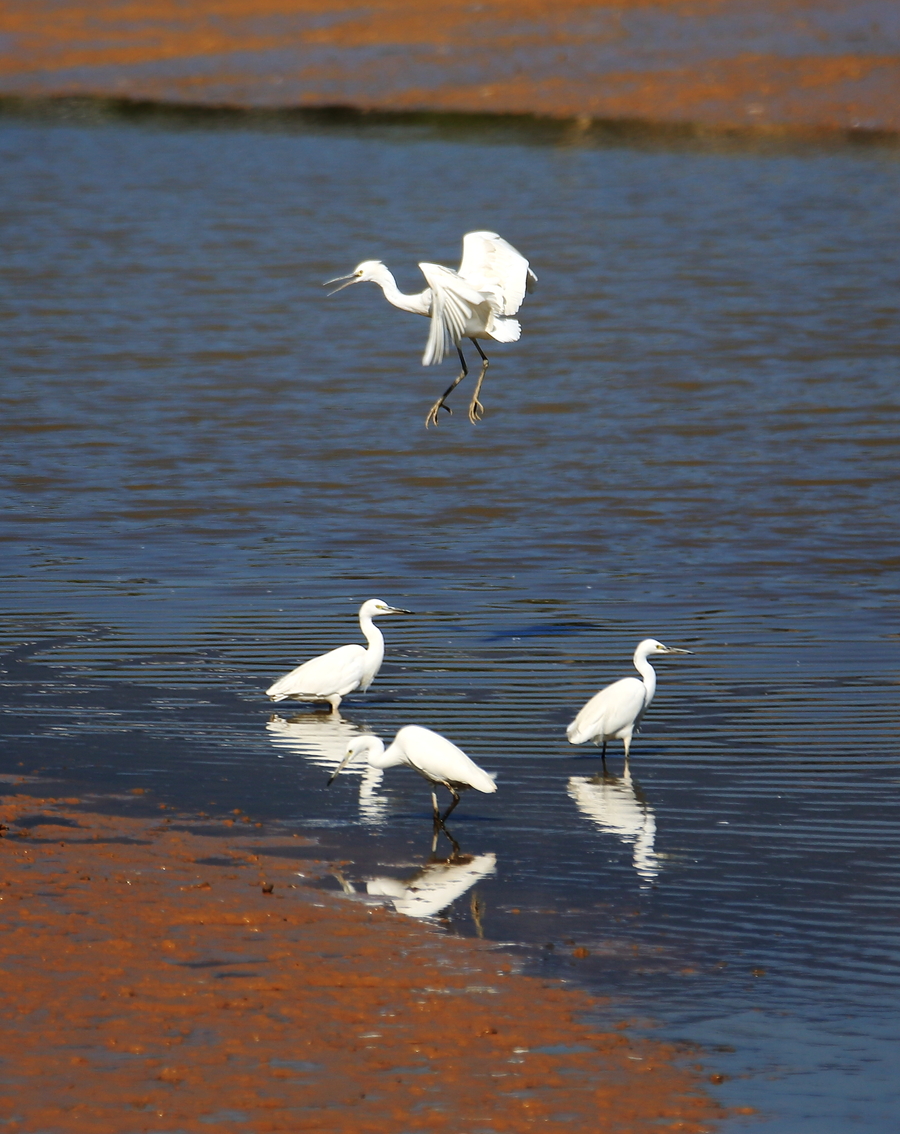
(208, 465)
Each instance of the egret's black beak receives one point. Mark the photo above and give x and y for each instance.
(337, 771)
(675, 650)
(352, 278)
(399, 610)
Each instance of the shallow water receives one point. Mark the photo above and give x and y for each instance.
(208, 466)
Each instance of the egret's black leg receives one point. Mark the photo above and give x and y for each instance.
(453, 841)
(455, 795)
(603, 755)
(476, 409)
(432, 416)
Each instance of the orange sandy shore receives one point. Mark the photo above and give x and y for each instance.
(774, 65)
(174, 974)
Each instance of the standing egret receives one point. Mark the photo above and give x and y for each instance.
(429, 754)
(339, 672)
(616, 711)
(475, 303)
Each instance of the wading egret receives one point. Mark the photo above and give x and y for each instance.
(615, 712)
(476, 302)
(332, 676)
(429, 754)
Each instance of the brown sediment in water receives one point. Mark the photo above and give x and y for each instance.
(789, 65)
(175, 974)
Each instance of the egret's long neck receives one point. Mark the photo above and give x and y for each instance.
(375, 651)
(646, 670)
(374, 637)
(377, 756)
(418, 304)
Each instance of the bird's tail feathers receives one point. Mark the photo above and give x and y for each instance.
(575, 733)
(482, 781)
(504, 330)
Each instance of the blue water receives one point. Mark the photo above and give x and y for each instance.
(207, 466)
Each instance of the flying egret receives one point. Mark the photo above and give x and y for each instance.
(616, 711)
(476, 302)
(429, 754)
(332, 676)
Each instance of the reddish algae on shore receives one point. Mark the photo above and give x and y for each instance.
(791, 66)
(174, 974)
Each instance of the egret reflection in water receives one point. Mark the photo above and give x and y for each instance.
(322, 740)
(435, 886)
(617, 806)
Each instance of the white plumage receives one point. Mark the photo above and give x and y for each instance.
(429, 754)
(476, 302)
(616, 711)
(331, 676)
(491, 264)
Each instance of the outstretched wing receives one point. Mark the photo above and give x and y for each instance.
(457, 309)
(490, 263)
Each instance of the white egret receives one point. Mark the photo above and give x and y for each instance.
(332, 676)
(429, 754)
(616, 711)
(476, 302)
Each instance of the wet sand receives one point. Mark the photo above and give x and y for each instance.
(176, 973)
(773, 66)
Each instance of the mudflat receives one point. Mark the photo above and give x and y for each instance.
(179, 973)
(795, 65)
